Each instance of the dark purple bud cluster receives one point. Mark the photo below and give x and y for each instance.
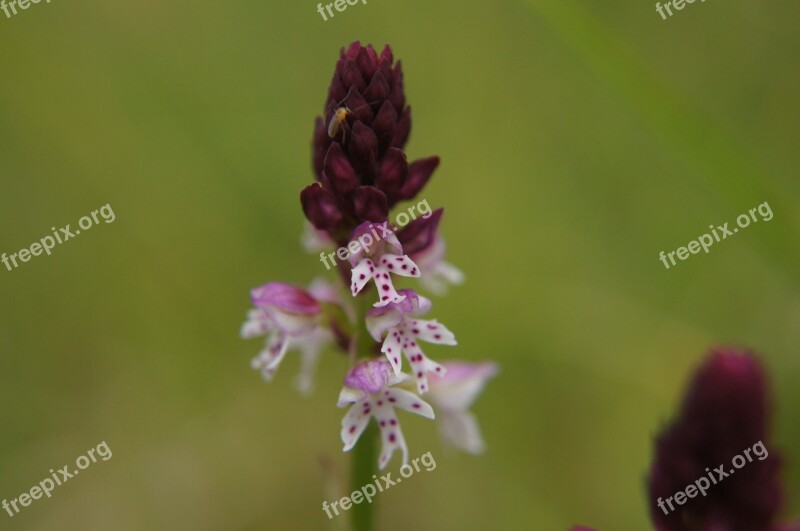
(360, 167)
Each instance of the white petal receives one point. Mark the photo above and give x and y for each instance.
(399, 265)
(257, 324)
(423, 305)
(450, 273)
(361, 274)
(324, 291)
(294, 324)
(314, 240)
(309, 354)
(460, 428)
(378, 324)
(459, 392)
(431, 331)
(420, 364)
(348, 395)
(393, 351)
(386, 291)
(391, 435)
(402, 399)
(268, 359)
(353, 424)
(395, 379)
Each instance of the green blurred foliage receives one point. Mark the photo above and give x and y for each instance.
(578, 139)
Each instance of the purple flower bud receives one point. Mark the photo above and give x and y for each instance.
(339, 171)
(419, 235)
(319, 206)
(725, 412)
(370, 204)
(419, 172)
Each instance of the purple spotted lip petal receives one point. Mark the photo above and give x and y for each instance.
(369, 376)
(285, 297)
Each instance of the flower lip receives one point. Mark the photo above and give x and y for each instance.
(369, 376)
(285, 297)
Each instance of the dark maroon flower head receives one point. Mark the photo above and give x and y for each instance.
(725, 411)
(359, 163)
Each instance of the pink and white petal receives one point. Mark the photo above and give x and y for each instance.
(402, 399)
(268, 359)
(257, 324)
(431, 331)
(420, 364)
(308, 364)
(392, 348)
(353, 425)
(450, 273)
(386, 319)
(421, 305)
(399, 265)
(314, 240)
(391, 435)
(294, 324)
(361, 274)
(348, 395)
(462, 385)
(435, 368)
(460, 429)
(274, 351)
(386, 290)
(432, 283)
(395, 379)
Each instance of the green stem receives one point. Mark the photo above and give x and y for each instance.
(364, 459)
(365, 452)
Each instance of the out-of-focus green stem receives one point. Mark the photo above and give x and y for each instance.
(365, 451)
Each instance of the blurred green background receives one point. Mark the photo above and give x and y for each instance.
(578, 140)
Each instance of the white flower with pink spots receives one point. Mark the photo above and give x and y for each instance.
(403, 329)
(377, 262)
(369, 388)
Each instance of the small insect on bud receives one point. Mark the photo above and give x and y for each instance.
(338, 118)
